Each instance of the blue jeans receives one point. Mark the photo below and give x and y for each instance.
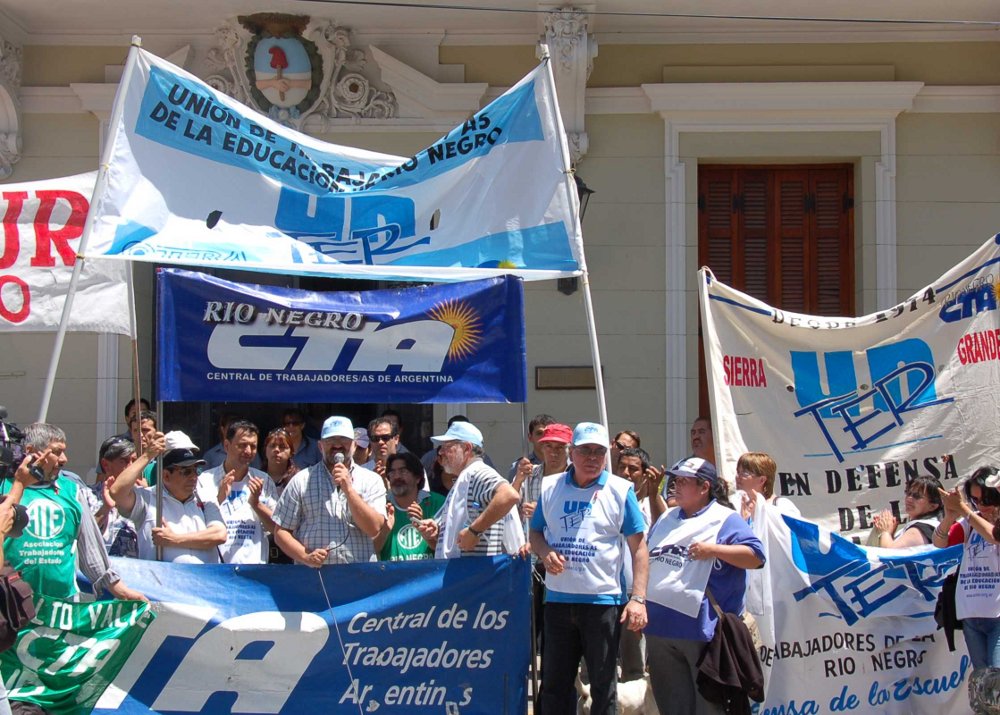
(982, 638)
(573, 630)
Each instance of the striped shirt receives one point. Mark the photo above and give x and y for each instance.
(317, 513)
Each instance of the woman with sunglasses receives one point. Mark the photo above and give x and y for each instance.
(922, 504)
(970, 517)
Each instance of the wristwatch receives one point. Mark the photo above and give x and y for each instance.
(639, 599)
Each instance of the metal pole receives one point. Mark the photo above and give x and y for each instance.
(159, 480)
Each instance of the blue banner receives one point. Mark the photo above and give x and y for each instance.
(233, 342)
(417, 637)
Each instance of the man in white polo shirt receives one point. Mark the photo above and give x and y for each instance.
(246, 496)
(576, 531)
(192, 530)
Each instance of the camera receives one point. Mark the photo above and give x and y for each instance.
(11, 446)
(12, 451)
(21, 518)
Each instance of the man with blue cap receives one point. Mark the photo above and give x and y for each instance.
(581, 523)
(478, 518)
(332, 511)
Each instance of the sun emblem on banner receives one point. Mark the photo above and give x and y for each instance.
(468, 327)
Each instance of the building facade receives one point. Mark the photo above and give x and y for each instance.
(828, 167)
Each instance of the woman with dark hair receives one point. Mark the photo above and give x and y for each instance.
(923, 514)
(698, 551)
(970, 519)
(278, 462)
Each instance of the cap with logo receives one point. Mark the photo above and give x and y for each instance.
(337, 427)
(460, 432)
(694, 467)
(590, 433)
(182, 457)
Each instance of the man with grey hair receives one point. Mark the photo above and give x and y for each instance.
(63, 528)
(478, 517)
(120, 536)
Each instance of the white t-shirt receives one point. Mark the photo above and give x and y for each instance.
(182, 517)
(246, 542)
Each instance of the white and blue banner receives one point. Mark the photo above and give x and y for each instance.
(234, 342)
(853, 408)
(195, 178)
(851, 629)
(415, 637)
(42, 225)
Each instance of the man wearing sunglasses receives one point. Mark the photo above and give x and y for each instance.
(384, 440)
(192, 530)
(305, 450)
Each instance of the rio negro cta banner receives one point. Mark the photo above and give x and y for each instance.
(410, 637)
(234, 342)
(71, 651)
(195, 178)
(853, 408)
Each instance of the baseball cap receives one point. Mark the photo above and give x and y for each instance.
(694, 467)
(556, 433)
(590, 433)
(115, 447)
(178, 440)
(361, 437)
(182, 457)
(460, 432)
(337, 427)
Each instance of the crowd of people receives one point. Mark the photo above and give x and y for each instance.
(634, 565)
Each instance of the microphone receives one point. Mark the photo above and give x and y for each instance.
(338, 458)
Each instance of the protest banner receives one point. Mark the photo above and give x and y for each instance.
(851, 629)
(42, 225)
(415, 637)
(71, 651)
(233, 342)
(852, 408)
(195, 178)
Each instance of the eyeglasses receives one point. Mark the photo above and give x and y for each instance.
(401, 470)
(747, 475)
(591, 451)
(619, 446)
(985, 499)
(292, 423)
(185, 471)
(381, 437)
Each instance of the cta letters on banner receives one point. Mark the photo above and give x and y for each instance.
(851, 629)
(71, 651)
(233, 342)
(440, 636)
(852, 408)
(196, 178)
(42, 225)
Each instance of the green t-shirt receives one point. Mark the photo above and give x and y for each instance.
(45, 553)
(405, 543)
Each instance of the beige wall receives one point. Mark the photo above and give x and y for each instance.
(948, 202)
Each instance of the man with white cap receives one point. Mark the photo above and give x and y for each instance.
(332, 511)
(576, 531)
(478, 518)
(192, 530)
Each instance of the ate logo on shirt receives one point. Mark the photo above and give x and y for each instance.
(46, 520)
(576, 512)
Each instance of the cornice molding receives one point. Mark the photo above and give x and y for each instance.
(420, 96)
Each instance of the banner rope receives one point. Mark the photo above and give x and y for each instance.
(340, 640)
